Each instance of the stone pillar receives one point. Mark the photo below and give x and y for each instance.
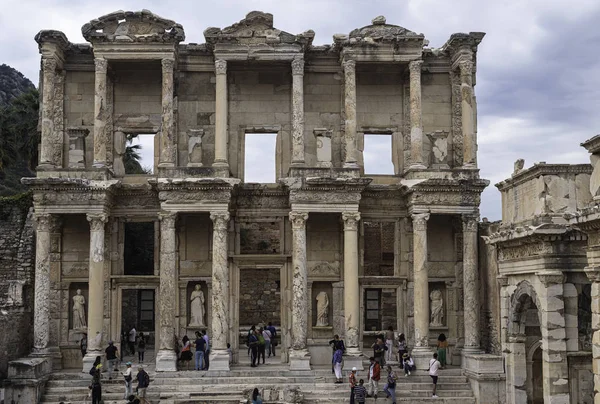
(516, 369)
(221, 117)
(100, 114)
(95, 301)
(220, 292)
(49, 148)
(166, 360)
(298, 112)
(471, 284)
(45, 225)
(421, 352)
(468, 124)
(351, 290)
(167, 135)
(593, 275)
(350, 110)
(416, 116)
(299, 355)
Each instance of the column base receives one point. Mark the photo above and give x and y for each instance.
(219, 359)
(353, 359)
(417, 166)
(166, 165)
(166, 361)
(469, 166)
(351, 165)
(45, 166)
(299, 359)
(89, 359)
(421, 356)
(221, 169)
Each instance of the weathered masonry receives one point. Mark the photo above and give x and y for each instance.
(381, 248)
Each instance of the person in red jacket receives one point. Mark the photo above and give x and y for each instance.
(373, 377)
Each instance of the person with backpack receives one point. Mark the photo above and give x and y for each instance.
(402, 346)
(111, 357)
(96, 386)
(143, 379)
(379, 349)
(250, 332)
(200, 349)
(273, 344)
(253, 346)
(141, 345)
(261, 345)
(390, 386)
(267, 336)
(128, 381)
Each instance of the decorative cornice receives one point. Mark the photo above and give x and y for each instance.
(539, 169)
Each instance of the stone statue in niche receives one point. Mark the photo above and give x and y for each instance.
(322, 310)
(79, 322)
(197, 307)
(437, 308)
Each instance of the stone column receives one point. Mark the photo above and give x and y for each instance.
(49, 146)
(100, 114)
(95, 301)
(166, 360)
(167, 135)
(299, 355)
(221, 116)
(416, 116)
(593, 275)
(471, 284)
(220, 292)
(468, 126)
(421, 352)
(350, 110)
(298, 112)
(351, 290)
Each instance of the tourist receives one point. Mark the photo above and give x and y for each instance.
(131, 399)
(83, 345)
(442, 347)
(132, 336)
(111, 358)
(389, 343)
(434, 366)
(97, 362)
(337, 365)
(373, 377)
(261, 345)
(267, 336)
(390, 386)
(176, 345)
(186, 351)
(141, 346)
(256, 399)
(273, 332)
(206, 350)
(200, 345)
(253, 346)
(143, 380)
(402, 348)
(336, 344)
(352, 380)
(96, 387)
(408, 364)
(360, 392)
(230, 353)
(128, 381)
(250, 332)
(379, 351)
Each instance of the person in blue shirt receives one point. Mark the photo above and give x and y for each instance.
(200, 348)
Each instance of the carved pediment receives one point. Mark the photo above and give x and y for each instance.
(379, 32)
(257, 28)
(132, 26)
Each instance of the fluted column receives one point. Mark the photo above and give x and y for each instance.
(468, 125)
(95, 288)
(100, 113)
(471, 283)
(416, 116)
(421, 281)
(220, 292)
(221, 114)
(298, 112)
(48, 158)
(351, 288)
(167, 135)
(167, 303)
(350, 110)
(45, 226)
(299, 356)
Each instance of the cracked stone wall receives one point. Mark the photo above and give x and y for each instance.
(260, 297)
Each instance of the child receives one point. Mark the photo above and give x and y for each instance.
(360, 392)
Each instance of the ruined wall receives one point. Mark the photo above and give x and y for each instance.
(17, 268)
(489, 291)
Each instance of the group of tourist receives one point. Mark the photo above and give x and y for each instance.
(201, 354)
(260, 341)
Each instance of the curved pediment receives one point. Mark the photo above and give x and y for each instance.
(257, 28)
(378, 32)
(133, 26)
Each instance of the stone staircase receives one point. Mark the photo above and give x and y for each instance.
(276, 382)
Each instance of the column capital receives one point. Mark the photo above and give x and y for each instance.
(298, 67)
(298, 219)
(351, 220)
(592, 273)
(46, 222)
(470, 223)
(220, 220)
(168, 219)
(97, 221)
(414, 66)
(221, 66)
(49, 64)
(101, 65)
(349, 65)
(420, 221)
(168, 64)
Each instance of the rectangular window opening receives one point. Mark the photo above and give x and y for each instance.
(259, 158)
(377, 154)
(139, 248)
(139, 154)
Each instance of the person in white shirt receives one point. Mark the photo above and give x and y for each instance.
(132, 336)
(267, 336)
(128, 381)
(434, 367)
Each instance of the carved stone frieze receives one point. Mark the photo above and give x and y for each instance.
(525, 250)
(323, 268)
(298, 219)
(457, 136)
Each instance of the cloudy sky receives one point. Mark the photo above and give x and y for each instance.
(538, 82)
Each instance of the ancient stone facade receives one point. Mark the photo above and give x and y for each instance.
(135, 77)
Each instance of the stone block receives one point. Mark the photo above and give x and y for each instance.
(29, 368)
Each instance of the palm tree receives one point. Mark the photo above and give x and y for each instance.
(131, 158)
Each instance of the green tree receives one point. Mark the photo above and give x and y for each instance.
(131, 159)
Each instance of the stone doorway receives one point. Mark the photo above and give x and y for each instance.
(535, 374)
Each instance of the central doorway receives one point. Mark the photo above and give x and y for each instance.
(137, 310)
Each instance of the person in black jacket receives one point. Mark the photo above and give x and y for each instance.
(143, 382)
(336, 344)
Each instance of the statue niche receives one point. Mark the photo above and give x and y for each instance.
(79, 322)
(437, 308)
(197, 309)
(322, 310)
